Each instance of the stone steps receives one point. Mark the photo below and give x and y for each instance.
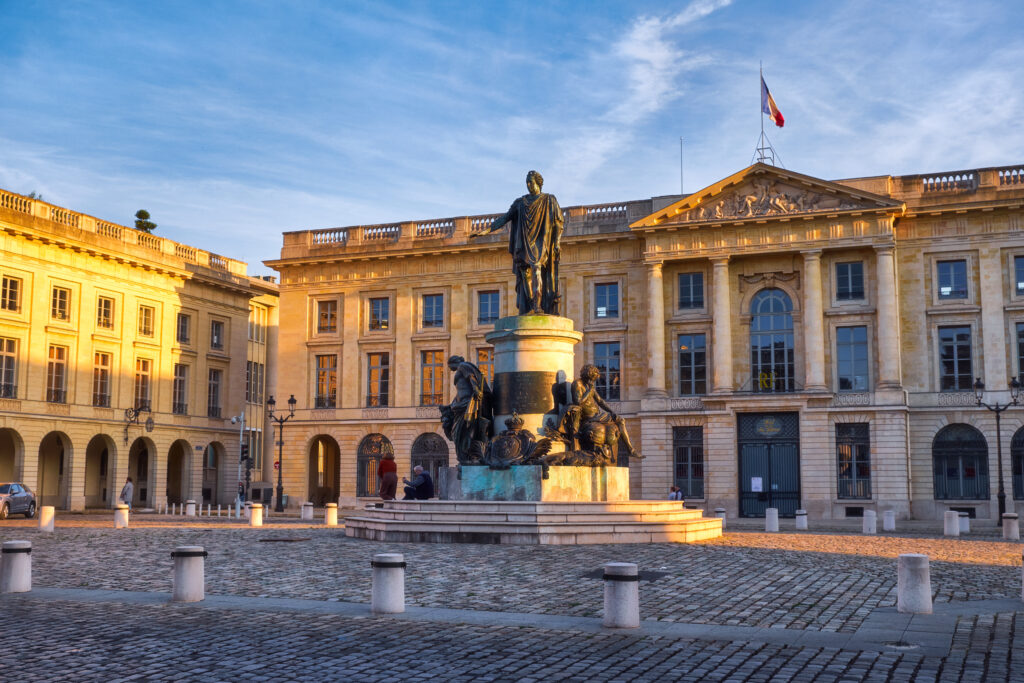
(532, 523)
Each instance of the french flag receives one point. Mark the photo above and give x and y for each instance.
(768, 106)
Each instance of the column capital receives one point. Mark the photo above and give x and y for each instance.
(885, 248)
(654, 265)
(811, 253)
(719, 260)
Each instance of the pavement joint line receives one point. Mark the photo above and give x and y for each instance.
(932, 634)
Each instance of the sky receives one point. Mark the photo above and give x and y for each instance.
(232, 122)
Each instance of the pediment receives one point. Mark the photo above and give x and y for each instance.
(761, 191)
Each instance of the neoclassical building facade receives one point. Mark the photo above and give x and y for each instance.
(773, 340)
(126, 354)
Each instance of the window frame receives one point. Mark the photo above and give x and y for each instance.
(850, 296)
(486, 366)
(373, 320)
(332, 309)
(214, 393)
(839, 343)
(857, 441)
(57, 374)
(6, 296)
(606, 388)
(183, 319)
(432, 374)
(378, 398)
(952, 296)
(143, 383)
(60, 311)
(9, 367)
(693, 366)
(101, 376)
(596, 308)
(325, 368)
(217, 341)
(480, 293)
(679, 291)
(434, 324)
(105, 318)
(147, 321)
(179, 389)
(940, 376)
(688, 440)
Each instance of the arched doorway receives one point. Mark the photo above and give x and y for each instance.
(324, 470)
(215, 478)
(1017, 463)
(179, 471)
(99, 472)
(141, 470)
(11, 452)
(54, 460)
(430, 451)
(371, 449)
(960, 463)
(772, 363)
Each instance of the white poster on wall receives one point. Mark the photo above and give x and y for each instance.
(756, 485)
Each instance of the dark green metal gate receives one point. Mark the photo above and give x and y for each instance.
(769, 452)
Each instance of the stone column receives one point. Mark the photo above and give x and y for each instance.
(813, 323)
(721, 343)
(655, 331)
(888, 320)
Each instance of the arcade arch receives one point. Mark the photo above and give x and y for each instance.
(324, 470)
(100, 456)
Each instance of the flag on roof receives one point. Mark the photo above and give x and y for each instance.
(769, 107)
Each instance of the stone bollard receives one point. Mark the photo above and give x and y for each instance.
(256, 514)
(388, 591)
(913, 585)
(951, 523)
(771, 519)
(46, 518)
(720, 513)
(331, 514)
(121, 516)
(965, 523)
(869, 525)
(1011, 527)
(621, 595)
(16, 567)
(247, 509)
(218, 509)
(209, 507)
(307, 511)
(889, 520)
(189, 573)
(801, 520)
(174, 508)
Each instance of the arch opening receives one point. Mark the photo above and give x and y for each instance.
(54, 470)
(100, 456)
(960, 463)
(371, 449)
(324, 470)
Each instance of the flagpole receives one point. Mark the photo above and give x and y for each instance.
(681, 166)
(760, 94)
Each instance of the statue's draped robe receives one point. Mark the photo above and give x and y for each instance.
(533, 240)
(467, 421)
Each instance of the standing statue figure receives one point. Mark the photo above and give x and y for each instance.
(467, 420)
(534, 240)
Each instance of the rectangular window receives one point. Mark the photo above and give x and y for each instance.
(606, 358)
(180, 394)
(955, 359)
(258, 324)
(10, 294)
(606, 300)
(327, 381)
(184, 328)
(688, 446)
(952, 276)
(143, 375)
(213, 393)
(485, 361)
(380, 313)
(146, 321)
(57, 374)
(256, 450)
(691, 290)
(216, 334)
(1018, 275)
(101, 367)
(1020, 350)
(105, 313)
(261, 383)
(853, 460)
(852, 358)
(250, 377)
(431, 378)
(60, 304)
(433, 310)
(850, 281)
(378, 378)
(327, 316)
(488, 307)
(693, 368)
(8, 368)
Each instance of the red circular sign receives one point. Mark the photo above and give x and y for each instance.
(277, 464)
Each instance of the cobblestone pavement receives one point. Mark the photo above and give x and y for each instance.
(817, 582)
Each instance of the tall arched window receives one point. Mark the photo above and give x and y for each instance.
(430, 451)
(960, 461)
(1017, 462)
(371, 449)
(771, 342)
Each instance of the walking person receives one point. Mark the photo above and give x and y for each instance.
(387, 472)
(127, 493)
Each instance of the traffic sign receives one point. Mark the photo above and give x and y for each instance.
(277, 464)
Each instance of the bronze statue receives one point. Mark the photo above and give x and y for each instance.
(534, 240)
(515, 446)
(588, 426)
(467, 420)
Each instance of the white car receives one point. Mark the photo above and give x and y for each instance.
(15, 498)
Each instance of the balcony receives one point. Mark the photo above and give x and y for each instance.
(8, 390)
(213, 411)
(179, 408)
(56, 396)
(325, 402)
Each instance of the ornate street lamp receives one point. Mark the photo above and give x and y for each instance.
(998, 408)
(271, 403)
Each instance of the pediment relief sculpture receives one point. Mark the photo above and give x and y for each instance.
(766, 197)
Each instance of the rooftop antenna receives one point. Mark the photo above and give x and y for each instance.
(764, 153)
(681, 166)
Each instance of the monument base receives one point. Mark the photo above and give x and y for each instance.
(562, 484)
(532, 522)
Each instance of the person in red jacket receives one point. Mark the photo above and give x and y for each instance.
(387, 472)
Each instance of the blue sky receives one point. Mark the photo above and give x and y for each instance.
(232, 122)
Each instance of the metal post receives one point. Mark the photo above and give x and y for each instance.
(998, 408)
(280, 464)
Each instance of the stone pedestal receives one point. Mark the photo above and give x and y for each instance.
(563, 484)
(532, 353)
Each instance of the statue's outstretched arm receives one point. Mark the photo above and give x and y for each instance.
(498, 224)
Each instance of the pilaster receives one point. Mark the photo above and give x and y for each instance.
(721, 343)
(655, 331)
(813, 323)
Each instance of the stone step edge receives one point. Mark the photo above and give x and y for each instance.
(526, 527)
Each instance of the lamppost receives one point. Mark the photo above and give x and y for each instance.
(998, 408)
(280, 443)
